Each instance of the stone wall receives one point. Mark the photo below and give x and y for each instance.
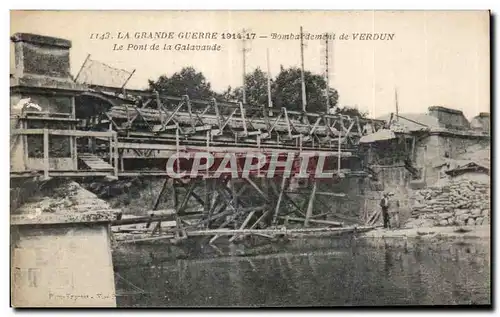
(432, 149)
(62, 266)
(395, 180)
(458, 202)
(449, 118)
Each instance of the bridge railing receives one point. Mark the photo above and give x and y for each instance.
(152, 115)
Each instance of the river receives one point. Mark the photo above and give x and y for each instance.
(358, 276)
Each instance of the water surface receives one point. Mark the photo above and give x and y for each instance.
(334, 277)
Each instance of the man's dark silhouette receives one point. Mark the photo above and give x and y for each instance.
(384, 203)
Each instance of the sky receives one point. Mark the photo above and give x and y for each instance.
(435, 57)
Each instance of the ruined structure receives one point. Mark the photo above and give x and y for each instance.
(49, 259)
(110, 136)
(423, 150)
(109, 132)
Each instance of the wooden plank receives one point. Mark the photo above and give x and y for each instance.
(166, 215)
(160, 194)
(75, 150)
(46, 164)
(301, 192)
(183, 204)
(322, 222)
(310, 205)
(110, 128)
(77, 133)
(116, 154)
(243, 118)
(78, 173)
(331, 194)
(256, 223)
(225, 141)
(374, 217)
(252, 183)
(244, 224)
(233, 216)
(229, 232)
(33, 118)
(261, 232)
(297, 207)
(280, 197)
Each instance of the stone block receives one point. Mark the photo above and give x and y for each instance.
(479, 221)
(476, 212)
(445, 215)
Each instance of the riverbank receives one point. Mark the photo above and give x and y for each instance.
(471, 239)
(441, 239)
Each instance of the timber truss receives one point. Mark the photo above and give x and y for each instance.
(234, 207)
(144, 116)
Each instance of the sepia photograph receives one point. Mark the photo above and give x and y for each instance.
(243, 159)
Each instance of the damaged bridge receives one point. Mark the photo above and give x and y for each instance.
(81, 130)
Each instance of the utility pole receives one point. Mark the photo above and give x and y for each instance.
(269, 99)
(244, 51)
(327, 73)
(302, 79)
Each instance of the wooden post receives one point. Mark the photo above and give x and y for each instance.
(339, 161)
(122, 164)
(46, 163)
(234, 198)
(413, 148)
(126, 82)
(243, 225)
(72, 139)
(310, 206)
(115, 137)
(155, 207)
(72, 149)
(302, 80)
(160, 194)
(24, 145)
(110, 129)
(81, 68)
(276, 211)
(175, 196)
(176, 206)
(243, 119)
(208, 198)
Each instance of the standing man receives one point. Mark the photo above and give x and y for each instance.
(384, 203)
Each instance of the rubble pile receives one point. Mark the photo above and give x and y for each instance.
(65, 198)
(134, 195)
(456, 203)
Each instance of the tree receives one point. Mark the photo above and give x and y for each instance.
(187, 81)
(256, 89)
(352, 112)
(227, 95)
(287, 91)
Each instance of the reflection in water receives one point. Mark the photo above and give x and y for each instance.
(356, 277)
